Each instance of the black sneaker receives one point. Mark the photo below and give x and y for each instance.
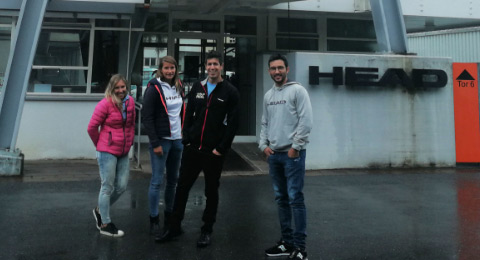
(111, 230)
(154, 225)
(204, 239)
(168, 235)
(98, 218)
(298, 254)
(281, 248)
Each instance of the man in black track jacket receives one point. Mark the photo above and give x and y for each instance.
(210, 124)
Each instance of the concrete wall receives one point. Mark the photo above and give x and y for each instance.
(56, 129)
(372, 126)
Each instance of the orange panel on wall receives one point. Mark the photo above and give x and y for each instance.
(467, 127)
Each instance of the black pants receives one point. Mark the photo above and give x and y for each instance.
(193, 162)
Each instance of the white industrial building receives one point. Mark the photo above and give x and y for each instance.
(55, 57)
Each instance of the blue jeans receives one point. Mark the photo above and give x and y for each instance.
(288, 177)
(170, 160)
(114, 173)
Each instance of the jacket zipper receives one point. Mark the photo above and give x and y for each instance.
(123, 124)
(206, 113)
(164, 105)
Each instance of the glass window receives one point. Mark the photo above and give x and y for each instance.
(5, 42)
(62, 65)
(198, 26)
(297, 34)
(347, 28)
(58, 81)
(240, 53)
(353, 46)
(154, 38)
(5, 20)
(157, 22)
(61, 20)
(109, 23)
(109, 57)
(62, 48)
(303, 44)
(152, 55)
(190, 45)
(297, 25)
(351, 35)
(190, 56)
(245, 25)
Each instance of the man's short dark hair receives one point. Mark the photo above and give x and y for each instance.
(215, 55)
(278, 56)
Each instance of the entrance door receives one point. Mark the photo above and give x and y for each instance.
(240, 60)
(190, 54)
(239, 54)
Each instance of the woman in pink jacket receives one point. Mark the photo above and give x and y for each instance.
(112, 129)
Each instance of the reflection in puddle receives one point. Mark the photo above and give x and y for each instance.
(469, 218)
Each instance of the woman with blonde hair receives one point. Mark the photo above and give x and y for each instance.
(112, 130)
(163, 113)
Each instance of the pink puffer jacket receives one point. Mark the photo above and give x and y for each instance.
(115, 135)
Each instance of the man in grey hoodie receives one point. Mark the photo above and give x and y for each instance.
(286, 123)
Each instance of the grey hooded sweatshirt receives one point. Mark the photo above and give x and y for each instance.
(287, 118)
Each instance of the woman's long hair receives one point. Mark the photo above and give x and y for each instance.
(175, 79)
(110, 90)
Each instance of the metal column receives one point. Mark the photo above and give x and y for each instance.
(389, 26)
(17, 73)
(18, 70)
(139, 19)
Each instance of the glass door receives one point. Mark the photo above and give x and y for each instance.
(190, 54)
(240, 54)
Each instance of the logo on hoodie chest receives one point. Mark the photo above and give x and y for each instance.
(200, 96)
(279, 102)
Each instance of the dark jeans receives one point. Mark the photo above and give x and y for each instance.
(193, 162)
(288, 177)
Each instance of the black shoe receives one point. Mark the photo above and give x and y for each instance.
(168, 235)
(154, 225)
(298, 254)
(281, 248)
(111, 230)
(98, 218)
(205, 239)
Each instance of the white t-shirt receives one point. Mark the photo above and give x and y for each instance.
(174, 103)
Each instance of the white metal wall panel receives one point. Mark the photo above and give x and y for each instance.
(459, 44)
(468, 9)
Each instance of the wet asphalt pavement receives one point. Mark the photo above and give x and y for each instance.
(352, 214)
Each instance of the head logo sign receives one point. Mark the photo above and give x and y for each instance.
(467, 127)
(360, 76)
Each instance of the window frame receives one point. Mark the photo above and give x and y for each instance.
(11, 26)
(347, 39)
(321, 36)
(91, 26)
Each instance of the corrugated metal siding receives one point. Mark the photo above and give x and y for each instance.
(462, 45)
